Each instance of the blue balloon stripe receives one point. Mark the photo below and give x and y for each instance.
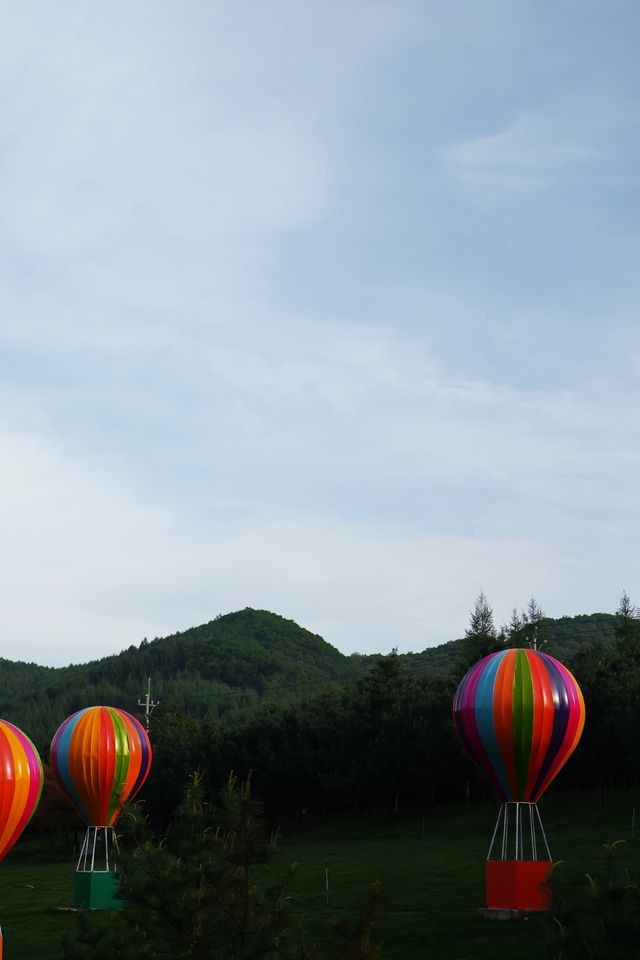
(464, 719)
(482, 710)
(485, 722)
(62, 757)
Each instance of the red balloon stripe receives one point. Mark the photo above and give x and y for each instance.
(21, 780)
(520, 715)
(101, 757)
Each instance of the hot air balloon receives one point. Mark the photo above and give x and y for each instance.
(100, 757)
(519, 715)
(21, 781)
(20, 784)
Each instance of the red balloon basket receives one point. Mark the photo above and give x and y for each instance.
(519, 865)
(518, 885)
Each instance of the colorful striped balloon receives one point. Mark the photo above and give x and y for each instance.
(520, 715)
(100, 757)
(21, 781)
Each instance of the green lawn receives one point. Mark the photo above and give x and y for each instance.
(31, 894)
(432, 884)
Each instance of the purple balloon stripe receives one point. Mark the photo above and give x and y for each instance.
(560, 719)
(468, 725)
(475, 721)
(461, 699)
(575, 712)
(146, 754)
(36, 777)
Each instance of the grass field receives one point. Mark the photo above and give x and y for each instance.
(432, 883)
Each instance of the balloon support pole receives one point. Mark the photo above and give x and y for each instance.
(96, 886)
(517, 878)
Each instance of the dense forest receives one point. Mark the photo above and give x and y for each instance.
(318, 731)
(238, 664)
(229, 665)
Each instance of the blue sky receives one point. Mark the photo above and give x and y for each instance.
(329, 309)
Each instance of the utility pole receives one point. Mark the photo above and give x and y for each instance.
(148, 705)
(535, 644)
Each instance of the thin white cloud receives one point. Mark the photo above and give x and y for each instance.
(89, 570)
(82, 547)
(259, 349)
(533, 152)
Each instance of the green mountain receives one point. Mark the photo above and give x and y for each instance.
(230, 665)
(563, 638)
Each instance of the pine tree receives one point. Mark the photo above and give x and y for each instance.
(193, 893)
(534, 633)
(627, 627)
(510, 632)
(481, 636)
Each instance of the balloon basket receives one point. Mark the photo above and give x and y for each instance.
(96, 886)
(96, 891)
(517, 870)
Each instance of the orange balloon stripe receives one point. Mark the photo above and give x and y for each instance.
(34, 776)
(98, 757)
(80, 763)
(576, 722)
(135, 755)
(520, 714)
(21, 777)
(92, 762)
(574, 732)
(20, 784)
(8, 781)
(107, 762)
(542, 718)
(583, 716)
(503, 716)
(84, 763)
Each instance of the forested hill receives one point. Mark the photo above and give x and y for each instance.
(562, 638)
(231, 664)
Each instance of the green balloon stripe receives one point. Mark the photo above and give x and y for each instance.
(122, 761)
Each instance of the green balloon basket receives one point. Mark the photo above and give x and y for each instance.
(97, 891)
(96, 876)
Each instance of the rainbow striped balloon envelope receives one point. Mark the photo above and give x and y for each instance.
(21, 781)
(100, 757)
(520, 715)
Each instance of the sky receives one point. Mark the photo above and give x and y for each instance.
(326, 309)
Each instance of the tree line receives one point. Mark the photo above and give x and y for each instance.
(386, 739)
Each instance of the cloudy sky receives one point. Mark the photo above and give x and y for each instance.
(324, 308)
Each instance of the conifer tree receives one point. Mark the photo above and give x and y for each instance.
(193, 893)
(627, 627)
(481, 636)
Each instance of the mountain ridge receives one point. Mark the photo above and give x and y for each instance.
(235, 662)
